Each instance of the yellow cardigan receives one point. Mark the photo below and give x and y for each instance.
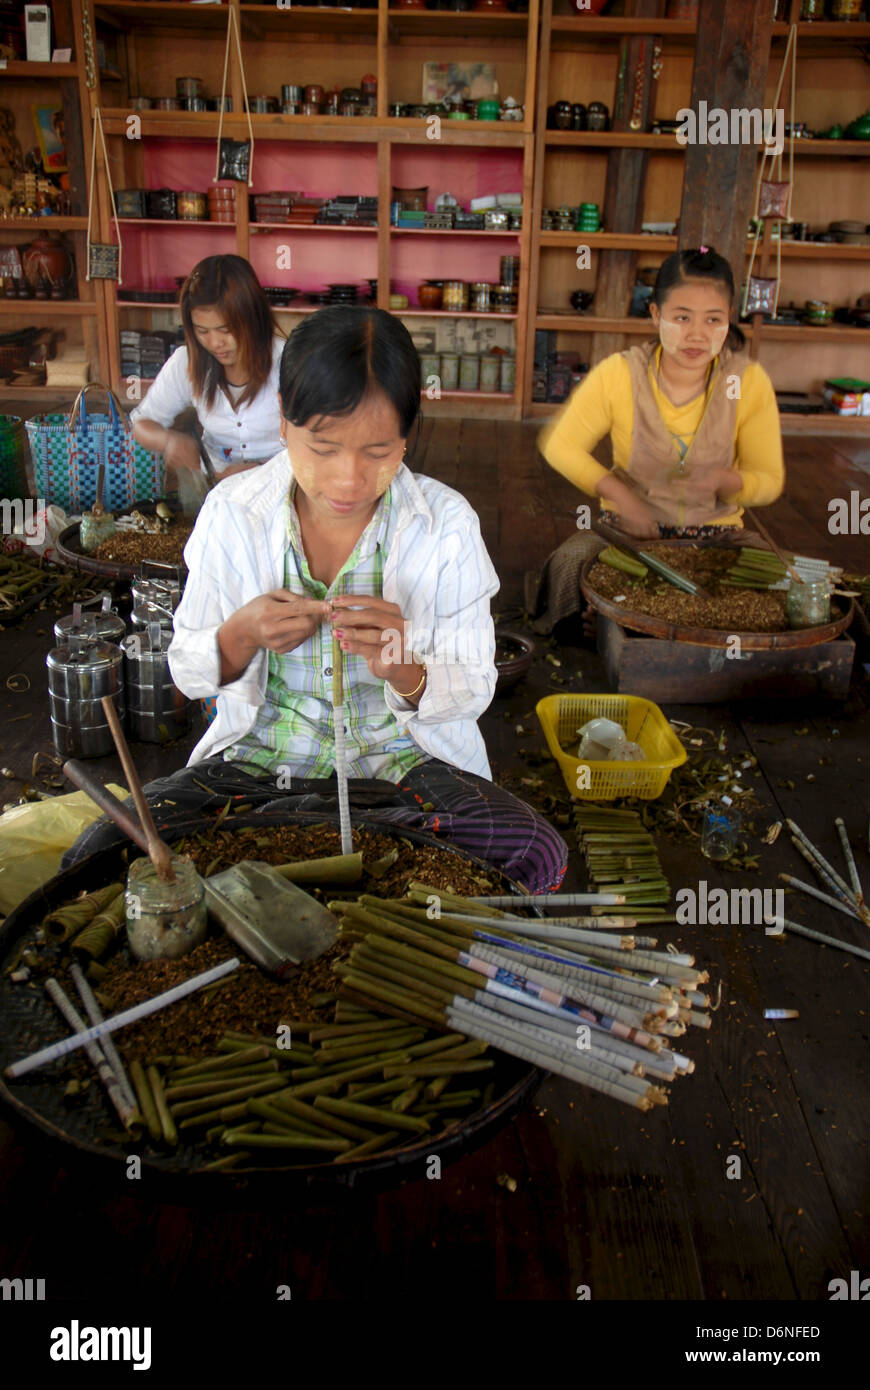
(603, 404)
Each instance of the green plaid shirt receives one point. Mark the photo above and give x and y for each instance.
(294, 726)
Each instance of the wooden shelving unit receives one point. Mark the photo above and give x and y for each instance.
(578, 60)
(82, 320)
(305, 44)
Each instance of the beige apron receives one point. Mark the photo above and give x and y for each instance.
(656, 471)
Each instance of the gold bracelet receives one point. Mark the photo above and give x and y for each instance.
(415, 691)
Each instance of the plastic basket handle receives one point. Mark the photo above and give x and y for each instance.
(78, 416)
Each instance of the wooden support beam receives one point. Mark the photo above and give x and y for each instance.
(626, 177)
(731, 63)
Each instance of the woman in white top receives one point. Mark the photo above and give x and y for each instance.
(227, 370)
(335, 539)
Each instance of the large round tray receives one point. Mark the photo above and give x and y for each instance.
(36, 1098)
(68, 550)
(716, 637)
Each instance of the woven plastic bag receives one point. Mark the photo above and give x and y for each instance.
(67, 452)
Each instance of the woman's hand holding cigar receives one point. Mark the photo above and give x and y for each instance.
(375, 630)
(278, 621)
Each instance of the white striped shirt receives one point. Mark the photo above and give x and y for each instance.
(230, 436)
(437, 571)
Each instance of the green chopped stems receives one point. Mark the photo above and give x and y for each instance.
(213, 1085)
(219, 1165)
(375, 989)
(276, 1116)
(365, 1048)
(339, 1031)
(325, 1085)
(432, 969)
(456, 1098)
(448, 1043)
(290, 1141)
(297, 1114)
(353, 1110)
(438, 1068)
(239, 1093)
(381, 1088)
(228, 1060)
(426, 983)
(250, 1127)
(325, 1068)
(226, 1114)
(167, 1124)
(434, 1089)
(144, 1096)
(405, 1099)
(371, 1146)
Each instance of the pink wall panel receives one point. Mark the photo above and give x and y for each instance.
(180, 164)
(318, 171)
(466, 173)
(316, 258)
(154, 256)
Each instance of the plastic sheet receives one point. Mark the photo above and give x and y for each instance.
(33, 838)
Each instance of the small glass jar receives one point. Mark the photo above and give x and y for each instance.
(481, 294)
(720, 830)
(469, 371)
(505, 299)
(509, 270)
(813, 9)
(846, 9)
(490, 372)
(808, 604)
(449, 371)
(164, 920)
(454, 298)
(508, 372)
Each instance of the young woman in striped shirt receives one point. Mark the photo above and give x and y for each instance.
(336, 535)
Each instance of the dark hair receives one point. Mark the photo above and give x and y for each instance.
(228, 284)
(702, 263)
(340, 354)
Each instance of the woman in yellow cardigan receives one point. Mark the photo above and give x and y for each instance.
(693, 424)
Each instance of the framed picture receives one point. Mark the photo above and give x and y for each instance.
(49, 124)
(453, 82)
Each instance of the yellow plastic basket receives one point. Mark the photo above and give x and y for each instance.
(562, 715)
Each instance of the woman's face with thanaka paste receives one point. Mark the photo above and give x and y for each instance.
(693, 321)
(344, 464)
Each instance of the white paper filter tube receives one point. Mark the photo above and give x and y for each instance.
(111, 1025)
(125, 1110)
(540, 1059)
(606, 1047)
(574, 967)
(819, 895)
(820, 859)
(341, 778)
(569, 989)
(96, 1015)
(548, 928)
(549, 899)
(538, 1037)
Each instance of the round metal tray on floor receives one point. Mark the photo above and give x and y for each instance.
(68, 550)
(37, 1097)
(793, 638)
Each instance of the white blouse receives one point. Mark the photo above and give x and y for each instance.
(247, 435)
